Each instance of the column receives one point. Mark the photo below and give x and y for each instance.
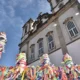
(61, 39)
(27, 52)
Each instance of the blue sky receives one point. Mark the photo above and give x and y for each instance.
(13, 15)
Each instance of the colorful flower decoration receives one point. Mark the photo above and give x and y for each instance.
(3, 41)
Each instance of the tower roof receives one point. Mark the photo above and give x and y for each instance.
(30, 20)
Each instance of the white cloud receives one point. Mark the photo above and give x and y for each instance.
(11, 11)
(2, 14)
(2, 2)
(12, 2)
(25, 3)
(7, 10)
(43, 6)
(20, 3)
(9, 16)
(10, 20)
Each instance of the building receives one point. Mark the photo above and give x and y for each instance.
(56, 34)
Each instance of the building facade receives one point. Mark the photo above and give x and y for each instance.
(57, 33)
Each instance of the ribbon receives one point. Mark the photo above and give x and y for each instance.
(23, 75)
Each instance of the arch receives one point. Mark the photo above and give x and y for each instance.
(72, 28)
(50, 40)
(50, 32)
(39, 39)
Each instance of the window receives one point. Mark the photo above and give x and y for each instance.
(61, 5)
(32, 52)
(28, 27)
(23, 33)
(40, 46)
(72, 29)
(25, 29)
(50, 41)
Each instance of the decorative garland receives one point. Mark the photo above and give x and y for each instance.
(44, 71)
(3, 41)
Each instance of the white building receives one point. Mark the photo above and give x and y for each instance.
(55, 34)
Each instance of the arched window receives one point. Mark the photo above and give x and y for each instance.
(50, 40)
(40, 47)
(72, 28)
(28, 27)
(25, 29)
(61, 5)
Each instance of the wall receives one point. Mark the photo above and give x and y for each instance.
(73, 48)
(69, 13)
(74, 51)
(53, 3)
(56, 6)
(42, 34)
(24, 48)
(24, 37)
(55, 58)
